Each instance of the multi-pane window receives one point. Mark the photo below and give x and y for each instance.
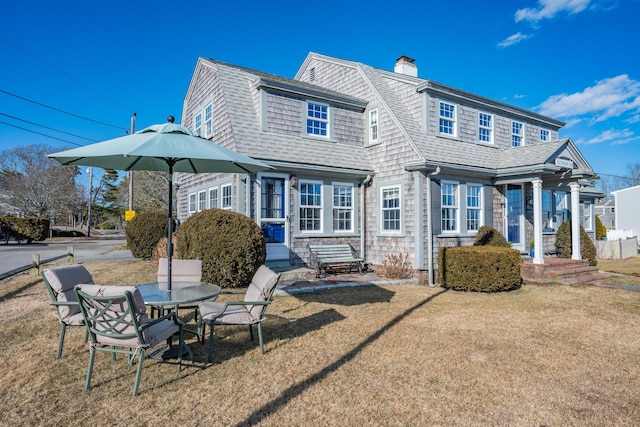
(544, 135)
(485, 127)
(390, 206)
(208, 120)
(554, 209)
(226, 196)
(449, 206)
(197, 124)
(373, 126)
(213, 198)
(561, 207)
(317, 119)
(447, 114)
(474, 207)
(310, 206)
(517, 134)
(192, 203)
(342, 207)
(202, 200)
(587, 216)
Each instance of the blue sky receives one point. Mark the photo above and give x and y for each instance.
(573, 60)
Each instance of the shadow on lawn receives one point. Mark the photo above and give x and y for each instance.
(349, 296)
(276, 404)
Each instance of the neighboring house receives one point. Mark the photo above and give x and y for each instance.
(606, 211)
(626, 206)
(386, 161)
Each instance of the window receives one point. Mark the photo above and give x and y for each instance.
(447, 119)
(342, 207)
(390, 206)
(197, 124)
(310, 206)
(561, 208)
(485, 127)
(208, 120)
(517, 134)
(317, 119)
(373, 126)
(544, 135)
(474, 207)
(226, 196)
(587, 216)
(449, 206)
(192, 203)
(213, 198)
(554, 209)
(202, 200)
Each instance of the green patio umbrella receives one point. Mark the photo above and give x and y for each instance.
(166, 147)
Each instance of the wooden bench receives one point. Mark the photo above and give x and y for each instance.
(324, 257)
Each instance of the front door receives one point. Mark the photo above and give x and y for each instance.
(274, 212)
(515, 216)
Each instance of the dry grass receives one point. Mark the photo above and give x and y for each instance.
(397, 355)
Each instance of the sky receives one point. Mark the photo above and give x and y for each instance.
(75, 72)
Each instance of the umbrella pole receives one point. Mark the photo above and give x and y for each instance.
(170, 162)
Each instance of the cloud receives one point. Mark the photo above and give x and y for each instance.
(513, 39)
(611, 135)
(608, 98)
(547, 9)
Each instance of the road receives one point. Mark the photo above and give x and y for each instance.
(13, 255)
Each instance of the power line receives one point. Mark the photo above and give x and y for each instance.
(61, 111)
(64, 73)
(40, 133)
(47, 127)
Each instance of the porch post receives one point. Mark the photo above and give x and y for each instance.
(537, 222)
(575, 221)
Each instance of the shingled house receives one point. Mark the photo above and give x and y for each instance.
(387, 161)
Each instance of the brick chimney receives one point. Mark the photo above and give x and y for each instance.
(405, 65)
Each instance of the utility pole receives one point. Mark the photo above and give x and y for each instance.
(133, 129)
(89, 209)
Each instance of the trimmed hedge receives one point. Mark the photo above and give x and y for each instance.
(489, 236)
(29, 229)
(479, 268)
(230, 245)
(144, 232)
(563, 244)
(601, 230)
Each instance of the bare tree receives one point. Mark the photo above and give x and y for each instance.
(37, 186)
(150, 191)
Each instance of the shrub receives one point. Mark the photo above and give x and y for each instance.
(230, 245)
(395, 266)
(601, 230)
(144, 232)
(28, 229)
(160, 251)
(106, 225)
(563, 244)
(489, 236)
(479, 268)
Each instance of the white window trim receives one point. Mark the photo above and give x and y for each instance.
(202, 200)
(382, 209)
(327, 120)
(351, 208)
(548, 135)
(479, 208)
(211, 199)
(455, 206)
(321, 206)
(374, 126)
(208, 123)
(192, 202)
(521, 135)
(197, 129)
(223, 187)
(489, 128)
(587, 214)
(453, 120)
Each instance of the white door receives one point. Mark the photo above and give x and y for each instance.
(274, 213)
(515, 216)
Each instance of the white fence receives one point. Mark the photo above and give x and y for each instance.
(617, 249)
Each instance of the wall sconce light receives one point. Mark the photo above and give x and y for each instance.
(293, 180)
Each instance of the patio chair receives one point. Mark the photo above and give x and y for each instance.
(182, 270)
(60, 282)
(118, 324)
(250, 311)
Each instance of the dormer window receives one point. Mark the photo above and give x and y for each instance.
(544, 135)
(447, 114)
(517, 134)
(317, 119)
(485, 127)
